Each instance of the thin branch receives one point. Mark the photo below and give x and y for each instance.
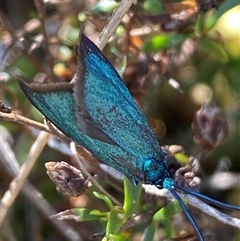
(16, 185)
(224, 218)
(13, 117)
(23, 120)
(197, 203)
(114, 22)
(40, 5)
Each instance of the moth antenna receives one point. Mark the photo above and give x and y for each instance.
(208, 199)
(187, 213)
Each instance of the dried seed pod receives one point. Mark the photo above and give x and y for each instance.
(68, 179)
(210, 127)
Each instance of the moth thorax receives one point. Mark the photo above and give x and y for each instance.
(155, 172)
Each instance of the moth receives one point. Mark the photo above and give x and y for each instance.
(97, 112)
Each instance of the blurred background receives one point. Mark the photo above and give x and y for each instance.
(173, 56)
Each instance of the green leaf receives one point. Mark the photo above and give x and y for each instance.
(215, 49)
(104, 198)
(119, 237)
(149, 232)
(104, 6)
(168, 228)
(131, 197)
(167, 212)
(182, 158)
(199, 26)
(115, 221)
(153, 6)
(163, 41)
(84, 214)
(210, 22)
(157, 43)
(24, 65)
